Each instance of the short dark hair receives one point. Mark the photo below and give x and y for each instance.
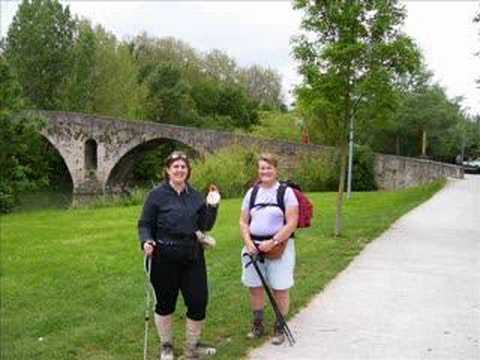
(174, 156)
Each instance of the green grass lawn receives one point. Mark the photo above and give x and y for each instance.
(72, 281)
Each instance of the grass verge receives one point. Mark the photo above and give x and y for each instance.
(72, 281)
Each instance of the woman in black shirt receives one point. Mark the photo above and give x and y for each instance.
(172, 215)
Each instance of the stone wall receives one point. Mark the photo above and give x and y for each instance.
(397, 172)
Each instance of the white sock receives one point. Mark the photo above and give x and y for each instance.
(193, 330)
(164, 328)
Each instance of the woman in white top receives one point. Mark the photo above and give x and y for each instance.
(264, 225)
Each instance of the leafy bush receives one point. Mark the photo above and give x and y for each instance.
(7, 197)
(24, 165)
(316, 173)
(363, 177)
(232, 169)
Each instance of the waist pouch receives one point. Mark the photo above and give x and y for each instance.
(276, 252)
(177, 248)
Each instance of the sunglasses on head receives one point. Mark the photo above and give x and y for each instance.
(177, 155)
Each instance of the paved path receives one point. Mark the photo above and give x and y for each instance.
(413, 293)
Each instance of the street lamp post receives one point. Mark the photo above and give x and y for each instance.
(350, 160)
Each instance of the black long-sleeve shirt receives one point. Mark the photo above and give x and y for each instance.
(167, 213)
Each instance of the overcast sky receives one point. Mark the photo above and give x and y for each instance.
(259, 32)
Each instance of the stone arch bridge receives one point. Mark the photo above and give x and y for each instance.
(99, 151)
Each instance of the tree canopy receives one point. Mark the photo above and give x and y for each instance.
(351, 56)
(39, 48)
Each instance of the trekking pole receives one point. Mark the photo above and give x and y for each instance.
(148, 267)
(276, 310)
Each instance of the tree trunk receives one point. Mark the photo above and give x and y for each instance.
(424, 143)
(397, 145)
(341, 187)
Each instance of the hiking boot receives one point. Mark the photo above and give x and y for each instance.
(166, 351)
(278, 335)
(191, 353)
(258, 330)
(205, 350)
(201, 351)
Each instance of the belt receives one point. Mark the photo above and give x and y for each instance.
(175, 243)
(266, 237)
(260, 238)
(177, 240)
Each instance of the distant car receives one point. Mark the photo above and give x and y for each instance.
(472, 167)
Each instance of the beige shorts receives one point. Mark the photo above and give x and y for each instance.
(278, 273)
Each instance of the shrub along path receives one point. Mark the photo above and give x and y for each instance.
(414, 293)
(72, 281)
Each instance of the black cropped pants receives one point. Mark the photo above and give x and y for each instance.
(169, 276)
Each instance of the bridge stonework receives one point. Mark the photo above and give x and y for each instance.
(124, 142)
(115, 146)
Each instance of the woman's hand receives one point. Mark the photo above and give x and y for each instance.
(252, 249)
(213, 197)
(148, 248)
(266, 246)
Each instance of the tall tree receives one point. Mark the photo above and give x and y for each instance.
(169, 99)
(116, 89)
(191, 88)
(39, 48)
(264, 85)
(233, 103)
(23, 164)
(427, 116)
(220, 66)
(80, 84)
(389, 134)
(350, 59)
(150, 52)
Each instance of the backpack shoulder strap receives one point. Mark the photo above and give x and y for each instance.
(281, 196)
(253, 197)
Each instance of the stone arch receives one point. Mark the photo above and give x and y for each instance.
(66, 163)
(91, 156)
(118, 176)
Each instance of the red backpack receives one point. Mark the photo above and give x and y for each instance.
(305, 206)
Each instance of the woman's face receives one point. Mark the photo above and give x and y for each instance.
(267, 172)
(178, 171)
